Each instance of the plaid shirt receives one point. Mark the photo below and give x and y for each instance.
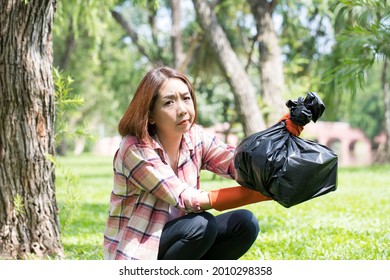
(145, 187)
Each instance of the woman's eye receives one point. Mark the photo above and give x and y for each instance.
(168, 102)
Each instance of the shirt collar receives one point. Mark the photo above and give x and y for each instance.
(186, 145)
(187, 142)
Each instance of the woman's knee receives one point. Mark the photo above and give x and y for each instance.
(203, 226)
(248, 221)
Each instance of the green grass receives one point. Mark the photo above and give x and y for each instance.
(351, 223)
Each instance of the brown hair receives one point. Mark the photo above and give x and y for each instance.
(135, 120)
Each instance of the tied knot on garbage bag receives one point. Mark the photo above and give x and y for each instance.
(302, 111)
(287, 168)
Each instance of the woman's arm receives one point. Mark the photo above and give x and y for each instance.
(228, 198)
(221, 199)
(217, 156)
(143, 169)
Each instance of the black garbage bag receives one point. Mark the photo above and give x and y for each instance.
(287, 168)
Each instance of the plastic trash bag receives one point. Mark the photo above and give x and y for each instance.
(287, 168)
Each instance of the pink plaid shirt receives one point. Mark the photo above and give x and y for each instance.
(145, 187)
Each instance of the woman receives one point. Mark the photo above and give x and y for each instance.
(157, 209)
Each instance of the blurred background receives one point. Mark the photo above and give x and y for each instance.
(244, 58)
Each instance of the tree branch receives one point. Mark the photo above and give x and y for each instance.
(131, 33)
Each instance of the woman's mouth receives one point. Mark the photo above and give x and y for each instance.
(183, 122)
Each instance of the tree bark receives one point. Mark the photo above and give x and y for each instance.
(28, 209)
(271, 65)
(242, 88)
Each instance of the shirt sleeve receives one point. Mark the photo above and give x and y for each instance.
(217, 156)
(145, 169)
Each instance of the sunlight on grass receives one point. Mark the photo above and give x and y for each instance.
(351, 223)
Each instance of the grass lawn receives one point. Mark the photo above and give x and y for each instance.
(351, 223)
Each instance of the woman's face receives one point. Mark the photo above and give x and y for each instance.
(174, 112)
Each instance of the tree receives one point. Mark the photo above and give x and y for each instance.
(242, 88)
(363, 38)
(82, 33)
(28, 209)
(176, 34)
(270, 62)
(183, 48)
(307, 36)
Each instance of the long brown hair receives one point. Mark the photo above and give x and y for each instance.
(135, 120)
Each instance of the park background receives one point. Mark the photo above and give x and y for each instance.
(245, 59)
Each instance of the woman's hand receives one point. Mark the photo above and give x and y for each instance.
(292, 127)
(195, 200)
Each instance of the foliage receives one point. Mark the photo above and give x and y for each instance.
(65, 102)
(362, 45)
(305, 34)
(364, 38)
(108, 66)
(70, 206)
(19, 205)
(349, 224)
(366, 109)
(83, 18)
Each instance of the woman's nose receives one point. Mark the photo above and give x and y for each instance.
(181, 109)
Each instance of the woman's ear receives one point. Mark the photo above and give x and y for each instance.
(151, 120)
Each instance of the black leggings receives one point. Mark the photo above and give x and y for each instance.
(203, 236)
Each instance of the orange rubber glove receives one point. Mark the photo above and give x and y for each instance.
(228, 198)
(292, 127)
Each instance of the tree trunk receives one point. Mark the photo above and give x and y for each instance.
(242, 88)
(271, 65)
(28, 210)
(69, 47)
(177, 42)
(386, 99)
